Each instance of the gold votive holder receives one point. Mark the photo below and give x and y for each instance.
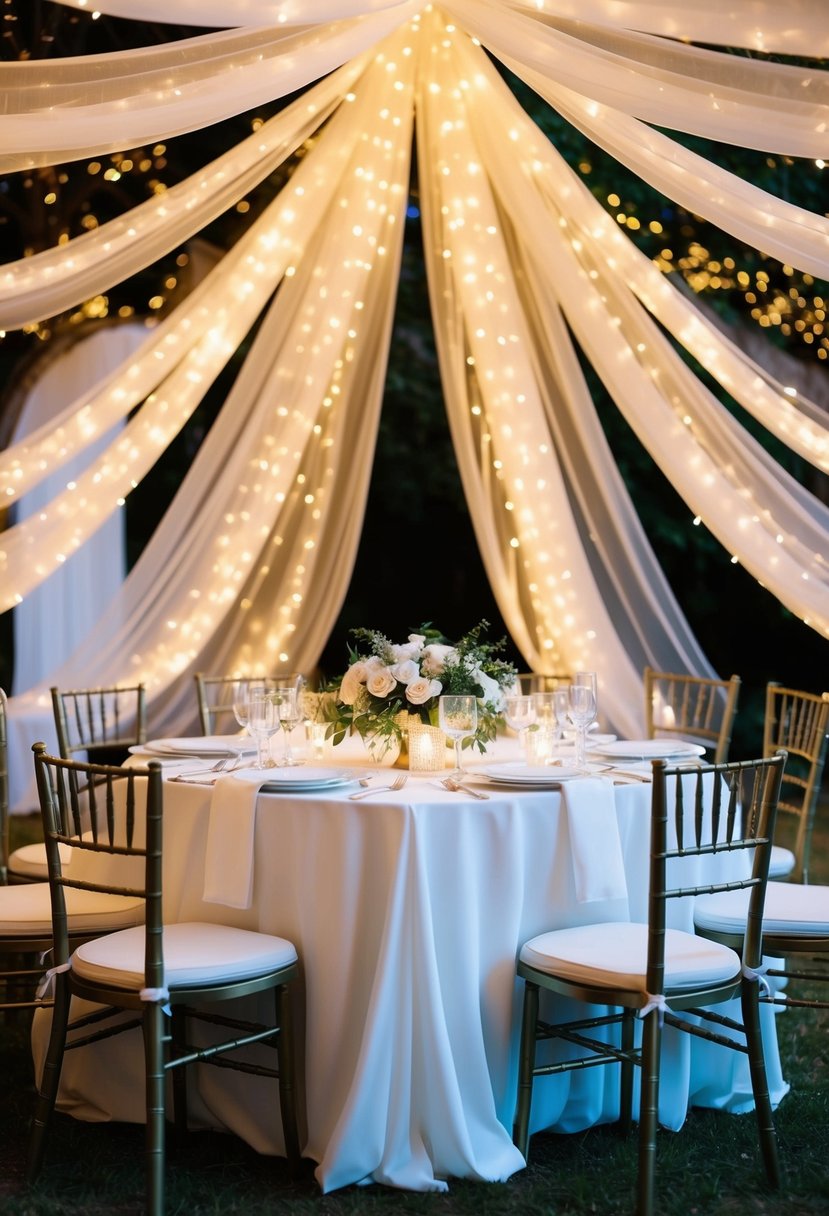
(427, 747)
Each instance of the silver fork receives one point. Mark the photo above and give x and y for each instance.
(198, 772)
(398, 783)
(450, 783)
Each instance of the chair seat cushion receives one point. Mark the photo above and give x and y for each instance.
(791, 908)
(26, 911)
(29, 861)
(613, 955)
(195, 953)
(782, 861)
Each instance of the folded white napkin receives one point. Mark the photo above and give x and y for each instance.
(228, 863)
(595, 843)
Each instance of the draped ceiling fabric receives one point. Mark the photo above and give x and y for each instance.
(251, 563)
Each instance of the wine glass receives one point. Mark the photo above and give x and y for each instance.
(242, 691)
(519, 713)
(582, 712)
(288, 704)
(589, 680)
(263, 723)
(458, 717)
(561, 708)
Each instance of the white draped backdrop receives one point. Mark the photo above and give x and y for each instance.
(251, 563)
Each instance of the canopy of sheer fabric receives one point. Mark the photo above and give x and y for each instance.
(251, 563)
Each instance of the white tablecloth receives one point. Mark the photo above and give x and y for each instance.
(408, 910)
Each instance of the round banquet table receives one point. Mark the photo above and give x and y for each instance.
(408, 910)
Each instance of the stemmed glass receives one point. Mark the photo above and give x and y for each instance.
(561, 708)
(458, 718)
(286, 697)
(242, 690)
(582, 712)
(589, 680)
(263, 723)
(519, 713)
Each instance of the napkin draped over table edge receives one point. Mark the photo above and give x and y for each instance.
(595, 842)
(228, 862)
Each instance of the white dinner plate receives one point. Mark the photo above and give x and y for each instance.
(535, 774)
(305, 777)
(203, 746)
(651, 749)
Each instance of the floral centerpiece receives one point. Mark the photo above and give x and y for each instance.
(385, 682)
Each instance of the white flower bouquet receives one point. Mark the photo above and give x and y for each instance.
(386, 681)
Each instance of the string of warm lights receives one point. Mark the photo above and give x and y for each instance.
(42, 284)
(774, 527)
(187, 359)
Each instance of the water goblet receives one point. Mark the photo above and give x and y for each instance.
(263, 723)
(582, 712)
(519, 713)
(458, 718)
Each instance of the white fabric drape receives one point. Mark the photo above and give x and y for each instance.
(251, 563)
(157, 93)
(51, 622)
(798, 28)
(259, 543)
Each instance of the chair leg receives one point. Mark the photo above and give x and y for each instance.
(626, 1081)
(649, 1113)
(50, 1079)
(526, 1064)
(287, 1075)
(750, 1001)
(179, 1041)
(154, 1036)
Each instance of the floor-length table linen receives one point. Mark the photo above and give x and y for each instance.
(408, 910)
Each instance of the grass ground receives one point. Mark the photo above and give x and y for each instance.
(710, 1168)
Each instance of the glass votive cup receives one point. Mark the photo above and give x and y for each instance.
(317, 736)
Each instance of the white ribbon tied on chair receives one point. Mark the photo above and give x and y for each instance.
(228, 863)
(758, 975)
(47, 980)
(598, 865)
(654, 1002)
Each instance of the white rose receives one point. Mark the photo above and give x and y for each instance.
(410, 649)
(435, 657)
(421, 690)
(381, 683)
(493, 693)
(352, 682)
(405, 671)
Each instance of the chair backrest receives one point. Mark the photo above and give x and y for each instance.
(215, 695)
(102, 721)
(799, 722)
(691, 707)
(697, 814)
(4, 792)
(111, 818)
